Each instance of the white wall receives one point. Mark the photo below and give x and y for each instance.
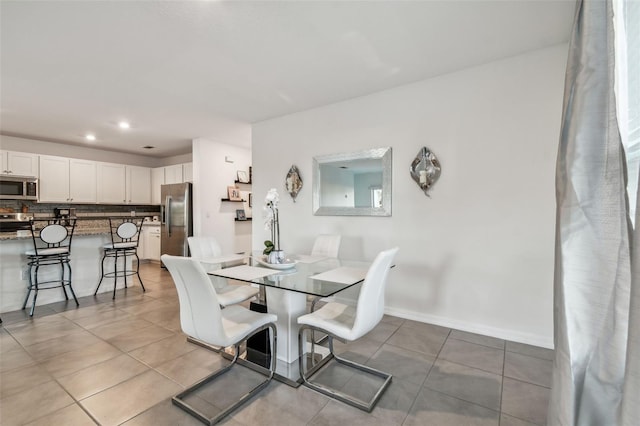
(211, 177)
(478, 254)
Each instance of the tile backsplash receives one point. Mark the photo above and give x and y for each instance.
(34, 207)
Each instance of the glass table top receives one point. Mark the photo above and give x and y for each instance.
(337, 274)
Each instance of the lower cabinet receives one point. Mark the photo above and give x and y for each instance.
(150, 243)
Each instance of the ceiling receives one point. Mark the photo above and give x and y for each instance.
(208, 69)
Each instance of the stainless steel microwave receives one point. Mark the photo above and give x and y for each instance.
(18, 188)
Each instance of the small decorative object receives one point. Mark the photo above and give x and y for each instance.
(425, 169)
(250, 200)
(293, 182)
(240, 215)
(243, 177)
(272, 223)
(234, 193)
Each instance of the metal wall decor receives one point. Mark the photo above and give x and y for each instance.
(293, 182)
(425, 169)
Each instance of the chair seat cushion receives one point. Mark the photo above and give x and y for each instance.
(336, 318)
(239, 322)
(48, 251)
(111, 246)
(232, 294)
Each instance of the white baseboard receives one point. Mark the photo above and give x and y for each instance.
(500, 333)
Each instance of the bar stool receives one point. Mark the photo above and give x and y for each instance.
(51, 246)
(125, 235)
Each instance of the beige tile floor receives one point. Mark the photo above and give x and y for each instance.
(119, 362)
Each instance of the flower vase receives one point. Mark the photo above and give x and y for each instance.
(276, 257)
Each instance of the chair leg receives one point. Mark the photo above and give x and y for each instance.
(124, 268)
(333, 393)
(115, 275)
(26, 299)
(35, 291)
(73, 293)
(138, 270)
(64, 290)
(104, 257)
(179, 399)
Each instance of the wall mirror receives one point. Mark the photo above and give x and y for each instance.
(353, 184)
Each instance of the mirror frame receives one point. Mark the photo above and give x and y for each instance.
(382, 153)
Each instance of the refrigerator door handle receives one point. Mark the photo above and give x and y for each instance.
(167, 214)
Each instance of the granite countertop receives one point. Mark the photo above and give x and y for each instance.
(88, 224)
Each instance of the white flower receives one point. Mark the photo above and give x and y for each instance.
(272, 198)
(267, 213)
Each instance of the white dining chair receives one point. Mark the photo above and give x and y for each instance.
(349, 323)
(202, 318)
(326, 245)
(203, 248)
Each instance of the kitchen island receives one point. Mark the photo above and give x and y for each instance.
(90, 235)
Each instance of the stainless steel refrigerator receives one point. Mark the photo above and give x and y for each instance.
(177, 218)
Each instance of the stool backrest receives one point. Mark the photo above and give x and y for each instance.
(200, 314)
(326, 245)
(370, 308)
(52, 233)
(125, 229)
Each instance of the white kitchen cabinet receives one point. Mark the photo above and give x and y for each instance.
(173, 174)
(112, 183)
(19, 163)
(187, 172)
(67, 180)
(157, 180)
(151, 242)
(138, 185)
(82, 181)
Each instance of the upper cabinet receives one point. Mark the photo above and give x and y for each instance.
(67, 180)
(120, 184)
(187, 172)
(177, 173)
(19, 163)
(112, 183)
(157, 180)
(173, 174)
(138, 185)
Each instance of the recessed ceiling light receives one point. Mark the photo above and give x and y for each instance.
(90, 137)
(124, 125)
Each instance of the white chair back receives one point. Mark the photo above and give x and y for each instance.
(326, 245)
(370, 308)
(204, 247)
(200, 313)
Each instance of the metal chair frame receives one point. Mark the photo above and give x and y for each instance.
(42, 258)
(333, 393)
(116, 252)
(179, 399)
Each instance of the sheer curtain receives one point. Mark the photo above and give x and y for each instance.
(597, 319)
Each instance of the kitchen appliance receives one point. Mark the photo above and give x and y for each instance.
(18, 188)
(64, 215)
(12, 222)
(176, 218)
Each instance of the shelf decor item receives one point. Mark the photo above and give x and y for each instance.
(272, 223)
(243, 177)
(293, 182)
(240, 214)
(234, 193)
(425, 169)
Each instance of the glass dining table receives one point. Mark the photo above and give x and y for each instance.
(286, 288)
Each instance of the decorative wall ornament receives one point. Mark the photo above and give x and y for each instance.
(425, 169)
(293, 182)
